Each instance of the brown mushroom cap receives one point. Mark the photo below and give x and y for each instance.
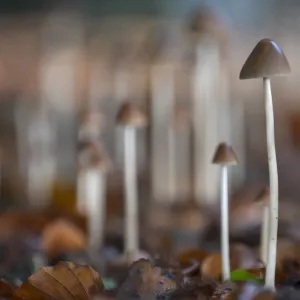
(93, 155)
(131, 115)
(224, 155)
(91, 127)
(205, 21)
(263, 196)
(181, 118)
(265, 60)
(62, 236)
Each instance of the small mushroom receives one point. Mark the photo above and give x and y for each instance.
(263, 198)
(131, 117)
(92, 125)
(224, 156)
(91, 188)
(265, 61)
(60, 237)
(180, 117)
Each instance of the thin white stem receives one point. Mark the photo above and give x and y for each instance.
(131, 205)
(224, 224)
(163, 97)
(81, 192)
(205, 97)
(172, 163)
(95, 191)
(271, 262)
(264, 235)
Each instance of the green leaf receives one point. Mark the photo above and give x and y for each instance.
(243, 275)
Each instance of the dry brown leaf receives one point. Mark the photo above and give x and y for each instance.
(225, 291)
(241, 257)
(145, 280)
(6, 290)
(61, 237)
(192, 254)
(64, 281)
(287, 250)
(14, 222)
(211, 267)
(264, 295)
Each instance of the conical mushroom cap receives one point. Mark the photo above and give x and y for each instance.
(181, 117)
(93, 155)
(131, 115)
(224, 155)
(265, 60)
(205, 21)
(263, 196)
(91, 127)
(62, 236)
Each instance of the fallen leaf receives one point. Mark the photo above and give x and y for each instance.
(211, 267)
(244, 275)
(147, 281)
(6, 290)
(258, 272)
(264, 295)
(287, 250)
(64, 281)
(191, 254)
(241, 257)
(225, 291)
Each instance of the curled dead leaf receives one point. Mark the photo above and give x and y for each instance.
(225, 291)
(190, 260)
(61, 237)
(211, 267)
(185, 257)
(63, 281)
(6, 290)
(146, 280)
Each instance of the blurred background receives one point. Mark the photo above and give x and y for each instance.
(69, 64)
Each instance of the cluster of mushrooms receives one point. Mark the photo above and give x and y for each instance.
(265, 61)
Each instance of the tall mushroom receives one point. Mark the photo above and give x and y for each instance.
(263, 198)
(90, 130)
(131, 117)
(267, 60)
(224, 156)
(210, 96)
(93, 165)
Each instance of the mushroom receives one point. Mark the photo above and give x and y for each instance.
(225, 157)
(131, 117)
(207, 35)
(162, 85)
(91, 189)
(267, 60)
(179, 119)
(263, 198)
(60, 237)
(92, 126)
